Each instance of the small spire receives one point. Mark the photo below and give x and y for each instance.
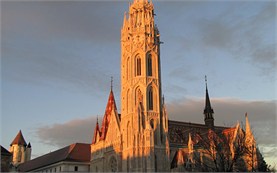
(111, 83)
(206, 82)
(208, 111)
(208, 107)
(96, 119)
(163, 100)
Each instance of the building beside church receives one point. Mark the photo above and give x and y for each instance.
(72, 158)
(141, 138)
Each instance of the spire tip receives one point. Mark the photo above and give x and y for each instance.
(111, 83)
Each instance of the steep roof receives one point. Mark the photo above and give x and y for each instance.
(78, 152)
(107, 117)
(4, 151)
(19, 139)
(96, 132)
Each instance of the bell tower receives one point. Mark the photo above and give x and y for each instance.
(143, 119)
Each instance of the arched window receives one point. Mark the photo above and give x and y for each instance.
(127, 101)
(149, 65)
(150, 98)
(128, 134)
(138, 66)
(128, 69)
(113, 164)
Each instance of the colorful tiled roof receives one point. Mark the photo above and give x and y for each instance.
(19, 139)
(106, 120)
(179, 131)
(77, 152)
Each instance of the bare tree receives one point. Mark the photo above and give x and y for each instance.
(220, 152)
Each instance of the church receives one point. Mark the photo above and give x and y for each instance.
(140, 137)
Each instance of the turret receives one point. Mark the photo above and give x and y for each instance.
(20, 150)
(208, 111)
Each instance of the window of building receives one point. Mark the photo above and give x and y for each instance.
(149, 65)
(128, 68)
(138, 66)
(76, 168)
(150, 98)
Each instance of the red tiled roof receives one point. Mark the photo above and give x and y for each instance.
(106, 120)
(19, 139)
(96, 132)
(77, 152)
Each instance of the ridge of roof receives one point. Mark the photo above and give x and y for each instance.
(19, 139)
(193, 124)
(75, 152)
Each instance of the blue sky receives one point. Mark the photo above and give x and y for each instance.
(57, 59)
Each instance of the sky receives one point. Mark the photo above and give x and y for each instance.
(57, 58)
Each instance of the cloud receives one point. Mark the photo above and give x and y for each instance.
(63, 134)
(61, 44)
(244, 37)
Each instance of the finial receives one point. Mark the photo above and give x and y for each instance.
(111, 83)
(206, 80)
(96, 119)
(245, 114)
(163, 99)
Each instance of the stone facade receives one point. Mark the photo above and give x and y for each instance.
(137, 139)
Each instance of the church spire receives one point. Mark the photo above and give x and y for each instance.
(208, 111)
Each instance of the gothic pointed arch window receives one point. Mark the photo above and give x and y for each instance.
(128, 68)
(150, 98)
(127, 101)
(128, 134)
(138, 66)
(149, 65)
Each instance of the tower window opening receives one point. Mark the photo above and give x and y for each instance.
(150, 99)
(138, 66)
(149, 65)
